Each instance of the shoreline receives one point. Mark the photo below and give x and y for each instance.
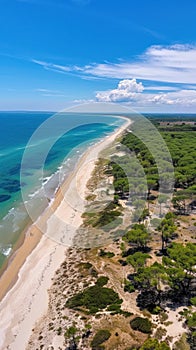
(26, 232)
(20, 300)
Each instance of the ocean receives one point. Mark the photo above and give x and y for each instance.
(62, 143)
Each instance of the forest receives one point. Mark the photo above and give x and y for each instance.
(157, 251)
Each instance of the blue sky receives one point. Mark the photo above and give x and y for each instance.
(55, 53)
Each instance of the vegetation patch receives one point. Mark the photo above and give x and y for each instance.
(100, 337)
(102, 281)
(95, 298)
(153, 344)
(137, 260)
(108, 219)
(128, 286)
(138, 235)
(105, 254)
(181, 344)
(141, 324)
(160, 333)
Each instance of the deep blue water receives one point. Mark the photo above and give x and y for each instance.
(61, 141)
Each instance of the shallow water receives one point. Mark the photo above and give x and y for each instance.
(16, 130)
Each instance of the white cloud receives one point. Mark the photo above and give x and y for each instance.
(131, 92)
(53, 95)
(171, 64)
(52, 66)
(185, 98)
(174, 64)
(170, 70)
(130, 85)
(126, 91)
(82, 101)
(161, 88)
(181, 97)
(49, 91)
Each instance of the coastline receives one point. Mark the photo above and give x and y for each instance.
(26, 299)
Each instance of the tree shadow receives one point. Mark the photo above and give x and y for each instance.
(133, 250)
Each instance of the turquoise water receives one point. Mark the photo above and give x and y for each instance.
(62, 140)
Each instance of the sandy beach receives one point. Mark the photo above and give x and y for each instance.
(24, 285)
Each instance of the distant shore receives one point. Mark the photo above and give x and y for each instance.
(24, 284)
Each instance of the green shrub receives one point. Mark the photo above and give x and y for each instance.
(153, 344)
(192, 321)
(193, 301)
(113, 224)
(160, 333)
(106, 217)
(93, 310)
(94, 298)
(181, 344)
(141, 324)
(163, 316)
(156, 310)
(103, 253)
(126, 313)
(100, 337)
(114, 308)
(102, 281)
(128, 287)
(87, 265)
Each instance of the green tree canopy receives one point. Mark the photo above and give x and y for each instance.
(151, 277)
(138, 235)
(180, 263)
(137, 260)
(182, 256)
(153, 344)
(167, 227)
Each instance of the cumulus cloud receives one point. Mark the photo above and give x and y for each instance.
(126, 91)
(184, 98)
(181, 97)
(130, 85)
(132, 92)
